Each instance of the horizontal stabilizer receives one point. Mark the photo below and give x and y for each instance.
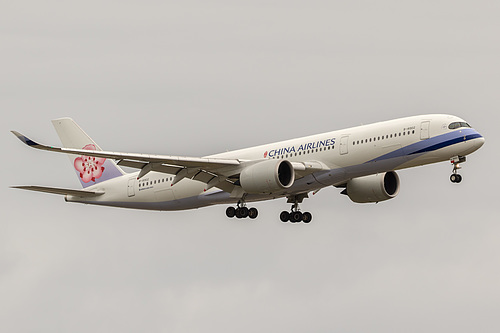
(61, 191)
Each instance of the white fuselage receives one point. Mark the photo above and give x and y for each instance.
(343, 154)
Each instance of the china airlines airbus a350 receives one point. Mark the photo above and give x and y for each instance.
(361, 160)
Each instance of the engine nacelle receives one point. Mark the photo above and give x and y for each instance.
(373, 188)
(267, 176)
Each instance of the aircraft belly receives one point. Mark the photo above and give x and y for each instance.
(330, 177)
(164, 195)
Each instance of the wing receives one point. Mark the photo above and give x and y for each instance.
(215, 172)
(212, 171)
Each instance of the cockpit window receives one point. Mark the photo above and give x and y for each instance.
(458, 124)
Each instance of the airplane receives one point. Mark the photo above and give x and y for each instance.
(360, 160)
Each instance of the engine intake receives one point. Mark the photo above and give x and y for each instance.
(267, 176)
(373, 188)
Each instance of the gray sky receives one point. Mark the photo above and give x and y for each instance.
(197, 77)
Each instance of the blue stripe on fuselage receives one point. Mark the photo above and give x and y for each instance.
(432, 144)
(447, 143)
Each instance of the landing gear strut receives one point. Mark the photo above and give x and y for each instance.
(241, 211)
(455, 177)
(295, 215)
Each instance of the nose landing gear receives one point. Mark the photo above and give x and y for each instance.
(455, 177)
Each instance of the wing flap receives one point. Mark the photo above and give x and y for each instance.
(60, 191)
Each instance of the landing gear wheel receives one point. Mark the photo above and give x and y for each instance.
(306, 217)
(230, 212)
(456, 178)
(252, 213)
(244, 212)
(285, 216)
(296, 217)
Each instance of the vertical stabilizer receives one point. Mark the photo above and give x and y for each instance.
(90, 170)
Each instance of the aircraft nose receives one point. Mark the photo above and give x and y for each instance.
(478, 141)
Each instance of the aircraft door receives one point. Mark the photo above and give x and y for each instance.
(131, 184)
(344, 145)
(424, 130)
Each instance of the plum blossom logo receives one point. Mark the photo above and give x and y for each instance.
(89, 167)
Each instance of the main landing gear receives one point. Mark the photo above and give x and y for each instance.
(455, 177)
(241, 211)
(295, 215)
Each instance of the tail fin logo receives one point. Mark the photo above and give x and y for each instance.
(89, 167)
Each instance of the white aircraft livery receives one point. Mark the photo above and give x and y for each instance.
(360, 160)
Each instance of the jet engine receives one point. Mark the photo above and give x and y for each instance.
(267, 176)
(373, 188)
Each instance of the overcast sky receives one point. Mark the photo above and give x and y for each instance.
(201, 77)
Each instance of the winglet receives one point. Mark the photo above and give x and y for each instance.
(25, 139)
